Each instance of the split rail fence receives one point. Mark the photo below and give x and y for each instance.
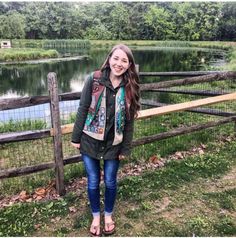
(58, 130)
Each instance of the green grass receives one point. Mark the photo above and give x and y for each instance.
(23, 125)
(174, 175)
(26, 43)
(173, 201)
(22, 219)
(176, 200)
(231, 65)
(21, 54)
(224, 200)
(204, 44)
(82, 44)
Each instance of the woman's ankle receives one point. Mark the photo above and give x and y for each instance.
(96, 219)
(108, 217)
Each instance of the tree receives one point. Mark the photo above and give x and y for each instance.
(160, 20)
(34, 13)
(119, 22)
(208, 22)
(227, 29)
(12, 26)
(139, 30)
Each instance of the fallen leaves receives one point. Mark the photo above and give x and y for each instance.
(153, 159)
(48, 192)
(73, 209)
(78, 185)
(23, 196)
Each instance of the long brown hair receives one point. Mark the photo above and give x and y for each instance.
(130, 76)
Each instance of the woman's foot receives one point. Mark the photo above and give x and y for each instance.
(109, 226)
(95, 229)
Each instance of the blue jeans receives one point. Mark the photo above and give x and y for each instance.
(92, 167)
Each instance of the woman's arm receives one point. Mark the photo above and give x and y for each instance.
(85, 101)
(127, 138)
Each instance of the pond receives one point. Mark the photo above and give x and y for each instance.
(31, 79)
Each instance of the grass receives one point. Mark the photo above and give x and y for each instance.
(177, 200)
(195, 196)
(24, 125)
(232, 60)
(23, 219)
(26, 43)
(205, 44)
(21, 54)
(82, 44)
(20, 154)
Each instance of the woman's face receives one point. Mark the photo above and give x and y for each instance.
(119, 62)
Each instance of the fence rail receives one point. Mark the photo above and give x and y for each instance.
(57, 131)
(208, 76)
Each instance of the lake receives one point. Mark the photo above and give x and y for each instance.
(31, 79)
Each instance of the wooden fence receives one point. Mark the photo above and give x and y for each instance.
(160, 109)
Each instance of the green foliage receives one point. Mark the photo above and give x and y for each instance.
(13, 126)
(232, 60)
(225, 199)
(197, 225)
(98, 32)
(175, 174)
(82, 221)
(226, 226)
(82, 44)
(160, 20)
(26, 54)
(118, 21)
(22, 219)
(12, 25)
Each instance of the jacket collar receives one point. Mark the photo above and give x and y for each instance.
(105, 80)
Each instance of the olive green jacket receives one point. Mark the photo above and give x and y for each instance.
(96, 148)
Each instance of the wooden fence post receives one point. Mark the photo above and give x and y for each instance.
(57, 137)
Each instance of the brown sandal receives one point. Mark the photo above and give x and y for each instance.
(107, 225)
(96, 228)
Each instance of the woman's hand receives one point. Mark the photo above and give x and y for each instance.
(76, 145)
(121, 157)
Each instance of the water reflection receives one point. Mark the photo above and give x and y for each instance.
(31, 80)
(23, 80)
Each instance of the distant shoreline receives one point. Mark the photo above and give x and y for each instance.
(40, 61)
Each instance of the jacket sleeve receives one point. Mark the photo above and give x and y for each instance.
(127, 137)
(85, 101)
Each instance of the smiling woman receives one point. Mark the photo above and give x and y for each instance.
(104, 128)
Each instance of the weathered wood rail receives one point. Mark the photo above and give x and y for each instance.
(6, 104)
(57, 131)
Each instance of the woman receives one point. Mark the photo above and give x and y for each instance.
(103, 129)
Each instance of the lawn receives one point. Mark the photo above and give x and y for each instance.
(191, 196)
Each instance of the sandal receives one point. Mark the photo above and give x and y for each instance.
(107, 225)
(96, 229)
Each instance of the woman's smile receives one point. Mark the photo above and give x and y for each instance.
(119, 62)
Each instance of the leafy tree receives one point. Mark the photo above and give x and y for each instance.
(99, 32)
(139, 29)
(79, 23)
(160, 20)
(227, 29)
(12, 26)
(120, 22)
(208, 22)
(184, 19)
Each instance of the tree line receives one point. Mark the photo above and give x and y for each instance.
(187, 21)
